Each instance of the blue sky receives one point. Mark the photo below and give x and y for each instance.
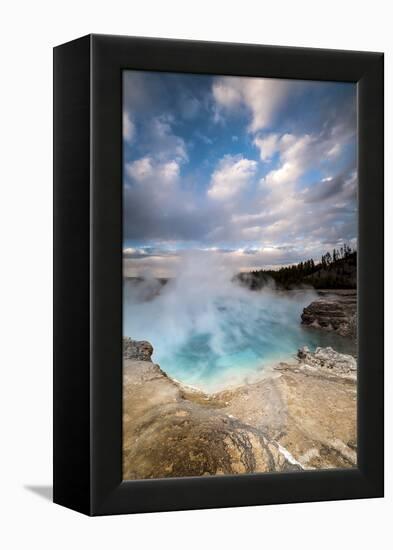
(260, 172)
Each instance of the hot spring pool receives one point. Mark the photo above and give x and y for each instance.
(211, 336)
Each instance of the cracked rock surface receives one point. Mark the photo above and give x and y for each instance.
(300, 415)
(333, 311)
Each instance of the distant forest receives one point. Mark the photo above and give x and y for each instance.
(335, 270)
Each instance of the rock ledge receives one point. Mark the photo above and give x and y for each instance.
(334, 312)
(328, 360)
(302, 416)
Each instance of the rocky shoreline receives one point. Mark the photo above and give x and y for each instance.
(301, 416)
(333, 311)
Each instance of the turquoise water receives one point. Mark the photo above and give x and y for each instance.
(212, 336)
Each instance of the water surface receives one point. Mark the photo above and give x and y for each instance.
(214, 335)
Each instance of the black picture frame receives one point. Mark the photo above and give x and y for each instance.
(88, 274)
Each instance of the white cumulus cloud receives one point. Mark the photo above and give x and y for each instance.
(128, 127)
(231, 176)
(163, 142)
(147, 170)
(263, 97)
(267, 146)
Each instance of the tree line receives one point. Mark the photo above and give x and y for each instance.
(336, 269)
(338, 254)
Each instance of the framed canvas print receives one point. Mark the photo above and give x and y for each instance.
(218, 275)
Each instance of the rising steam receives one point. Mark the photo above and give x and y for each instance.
(206, 329)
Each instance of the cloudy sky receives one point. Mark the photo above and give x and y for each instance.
(261, 172)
